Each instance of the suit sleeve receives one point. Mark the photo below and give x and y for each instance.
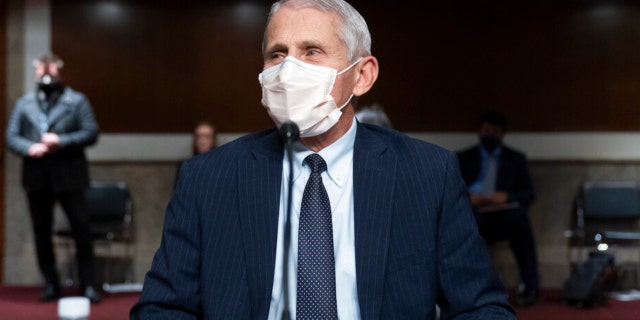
(172, 286)
(15, 140)
(523, 189)
(469, 287)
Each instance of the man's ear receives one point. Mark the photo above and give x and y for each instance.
(366, 76)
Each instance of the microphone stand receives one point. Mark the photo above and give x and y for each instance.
(290, 132)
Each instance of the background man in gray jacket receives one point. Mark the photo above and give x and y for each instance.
(49, 128)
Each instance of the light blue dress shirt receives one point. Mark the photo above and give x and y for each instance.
(479, 186)
(338, 180)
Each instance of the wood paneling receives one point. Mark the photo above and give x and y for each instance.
(550, 65)
(3, 121)
(150, 67)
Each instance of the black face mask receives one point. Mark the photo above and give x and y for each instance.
(49, 84)
(490, 143)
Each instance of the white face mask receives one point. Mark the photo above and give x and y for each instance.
(301, 92)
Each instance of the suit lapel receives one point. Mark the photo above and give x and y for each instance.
(60, 108)
(374, 181)
(259, 179)
(33, 112)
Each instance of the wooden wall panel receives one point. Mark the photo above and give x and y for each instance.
(551, 65)
(3, 121)
(160, 68)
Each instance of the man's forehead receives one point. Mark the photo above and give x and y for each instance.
(306, 23)
(317, 20)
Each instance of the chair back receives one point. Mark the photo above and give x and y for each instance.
(606, 213)
(110, 208)
(610, 200)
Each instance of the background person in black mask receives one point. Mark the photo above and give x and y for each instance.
(50, 127)
(501, 192)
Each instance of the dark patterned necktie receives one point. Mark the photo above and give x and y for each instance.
(316, 290)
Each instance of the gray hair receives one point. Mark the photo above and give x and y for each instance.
(354, 34)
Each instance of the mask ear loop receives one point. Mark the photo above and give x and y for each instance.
(347, 102)
(343, 71)
(349, 67)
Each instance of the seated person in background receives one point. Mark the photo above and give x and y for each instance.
(501, 192)
(204, 137)
(374, 115)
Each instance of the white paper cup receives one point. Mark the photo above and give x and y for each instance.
(74, 308)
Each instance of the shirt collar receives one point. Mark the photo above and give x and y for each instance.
(496, 152)
(338, 156)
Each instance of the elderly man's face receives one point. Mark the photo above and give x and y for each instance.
(311, 36)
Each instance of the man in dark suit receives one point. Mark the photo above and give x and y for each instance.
(501, 192)
(401, 234)
(49, 128)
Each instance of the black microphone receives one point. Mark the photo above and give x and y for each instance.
(289, 133)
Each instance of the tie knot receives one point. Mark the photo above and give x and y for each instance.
(316, 163)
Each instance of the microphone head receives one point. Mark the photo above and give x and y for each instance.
(289, 132)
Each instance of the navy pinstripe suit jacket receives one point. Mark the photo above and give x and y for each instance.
(416, 239)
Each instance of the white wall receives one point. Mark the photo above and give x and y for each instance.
(554, 146)
(609, 146)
